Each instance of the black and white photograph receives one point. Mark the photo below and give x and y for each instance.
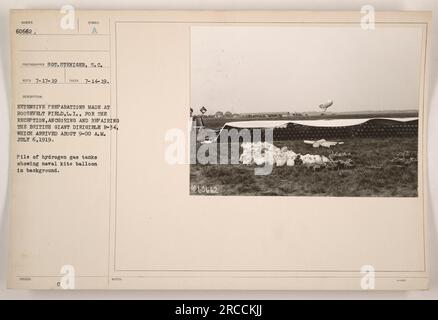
(305, 110)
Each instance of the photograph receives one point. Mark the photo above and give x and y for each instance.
(305, 110)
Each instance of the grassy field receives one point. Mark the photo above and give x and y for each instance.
(385, 167)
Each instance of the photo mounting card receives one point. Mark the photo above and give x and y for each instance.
(251, 150)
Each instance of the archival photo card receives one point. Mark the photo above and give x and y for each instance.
(244, 150)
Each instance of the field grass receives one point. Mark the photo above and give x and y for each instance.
(384, 167)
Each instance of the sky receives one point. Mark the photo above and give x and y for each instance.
(296, 68)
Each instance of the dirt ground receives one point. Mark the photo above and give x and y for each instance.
(384, 167)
